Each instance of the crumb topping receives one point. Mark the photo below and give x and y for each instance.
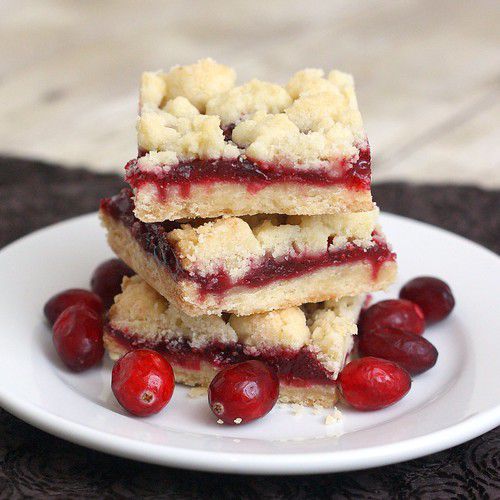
(141, 308)
(183, 134)
(235, 243)
(239, 102)
(332, 337)
(333, 418)
(348, 307)
(276, 328)
(197, 82)
(142, 312)
(312, 121)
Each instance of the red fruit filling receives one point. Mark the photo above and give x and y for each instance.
(152, 238)
(244, 392)
(77, 336)
(142, 382)
(373, 383)
(394, 313)
(107, 279)
(433, 296)
(61, 301)
(255, 175)
(412, 352)
(299, 367)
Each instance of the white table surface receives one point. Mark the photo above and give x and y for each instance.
(427, 73)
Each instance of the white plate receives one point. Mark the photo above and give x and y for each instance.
(455, 401)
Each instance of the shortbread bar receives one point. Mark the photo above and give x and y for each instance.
(209, 148)
(307, 346)
(247, 265)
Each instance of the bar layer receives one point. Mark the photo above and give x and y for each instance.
(307, 346)
(208, 147)
(254, 264)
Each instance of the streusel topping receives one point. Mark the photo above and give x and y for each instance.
(312, 121)
(285, 327)
(197, 82)
(243, 101)
(180, 132)
(140, 310)
(235, 243)
(332, 336)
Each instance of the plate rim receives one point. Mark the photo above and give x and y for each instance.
(252, 463)
(256, 463)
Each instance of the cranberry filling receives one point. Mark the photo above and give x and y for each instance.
(254, 175)
(152, 238)
(294, 367)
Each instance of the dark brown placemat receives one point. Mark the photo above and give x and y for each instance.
(36, 464)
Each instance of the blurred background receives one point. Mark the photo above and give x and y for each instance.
(427, 73)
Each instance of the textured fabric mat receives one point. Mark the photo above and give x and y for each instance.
(36, 464)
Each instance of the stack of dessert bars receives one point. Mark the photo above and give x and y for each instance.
(250, 225)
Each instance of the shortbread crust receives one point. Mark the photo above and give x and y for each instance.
(224, 198)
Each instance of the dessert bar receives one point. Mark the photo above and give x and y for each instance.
(247, 265)
(307, 346)
(209, 148)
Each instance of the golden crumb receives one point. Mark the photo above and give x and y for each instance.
(333, 418)
(197, 392)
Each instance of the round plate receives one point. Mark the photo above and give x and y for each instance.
(455, 401)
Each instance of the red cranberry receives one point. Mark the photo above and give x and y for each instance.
(373, 383)
(401, 314)
(107, 279)
(432, 295)
(243, 392)
(58, 303)
(412, 352)
(142, 382)
(78, 337)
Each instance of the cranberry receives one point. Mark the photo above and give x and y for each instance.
(414, 353)
(56, 304)
(401, 314)
(107, 279)
(373, 383)
(142, 382)
(78, 337)
(243, 392)
(432, 295)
